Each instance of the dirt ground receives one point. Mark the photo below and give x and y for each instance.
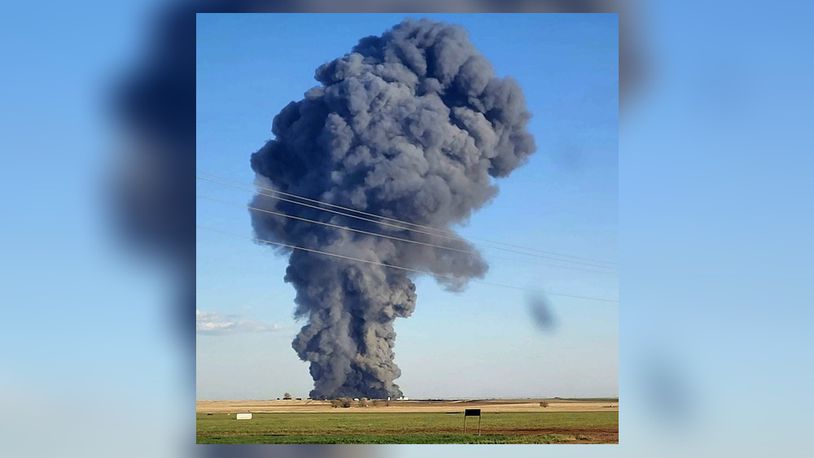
(491, 405)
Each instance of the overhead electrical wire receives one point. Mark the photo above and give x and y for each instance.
(401, 223)
(376, 234)
(409, 269)
(427, 230)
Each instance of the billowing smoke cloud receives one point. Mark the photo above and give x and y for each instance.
(410, 125)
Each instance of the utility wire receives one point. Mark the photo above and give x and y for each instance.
(427, 230)
(440, 232)
(376, 234)
(408, 269)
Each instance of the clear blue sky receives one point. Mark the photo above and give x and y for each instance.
(479, 343)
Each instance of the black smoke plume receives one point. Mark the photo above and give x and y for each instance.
(411, 125)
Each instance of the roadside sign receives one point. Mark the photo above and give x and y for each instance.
(472, 413)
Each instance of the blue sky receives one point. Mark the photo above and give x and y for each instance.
(479, 343)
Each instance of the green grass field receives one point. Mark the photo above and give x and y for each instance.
(409, 428)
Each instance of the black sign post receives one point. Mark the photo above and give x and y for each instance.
(472, 413)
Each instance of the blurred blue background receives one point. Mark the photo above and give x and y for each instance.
(714, 237)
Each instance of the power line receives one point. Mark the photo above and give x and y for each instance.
(272, 193)
(376, 234)
(408, 269)
(439, 232)
(274, 196)
(347, 228)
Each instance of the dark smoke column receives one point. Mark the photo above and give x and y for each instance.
(411, 125)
